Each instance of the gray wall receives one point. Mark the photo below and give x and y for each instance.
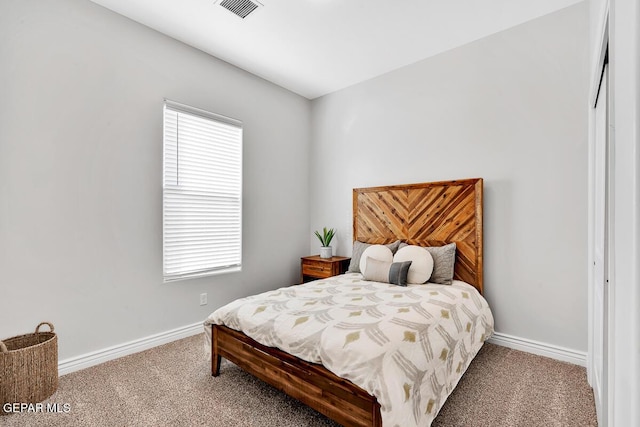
(510, 108)
(80, 175)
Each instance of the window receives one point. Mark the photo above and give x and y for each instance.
(201, 193)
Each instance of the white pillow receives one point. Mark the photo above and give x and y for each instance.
(379, 252)
(421, 263)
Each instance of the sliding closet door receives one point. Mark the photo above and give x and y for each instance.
(601, 195)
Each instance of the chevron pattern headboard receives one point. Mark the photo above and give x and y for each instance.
(427, 214)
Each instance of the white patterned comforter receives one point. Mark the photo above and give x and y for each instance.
(407, 346)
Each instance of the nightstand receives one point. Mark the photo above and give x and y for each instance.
(314, 267)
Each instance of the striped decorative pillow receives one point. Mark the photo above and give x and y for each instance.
(387, 272)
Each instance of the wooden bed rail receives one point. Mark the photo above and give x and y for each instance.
(310, 383)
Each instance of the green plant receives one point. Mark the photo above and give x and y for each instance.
(326, 236)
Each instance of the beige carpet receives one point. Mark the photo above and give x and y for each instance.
(171, 385)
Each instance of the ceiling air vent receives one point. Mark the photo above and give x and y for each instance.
(241, 8)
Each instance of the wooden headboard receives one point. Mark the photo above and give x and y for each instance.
(427, 214)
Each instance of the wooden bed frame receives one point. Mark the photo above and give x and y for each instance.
(428, 214)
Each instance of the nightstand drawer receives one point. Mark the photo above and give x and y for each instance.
(314, 267)
(317, 269)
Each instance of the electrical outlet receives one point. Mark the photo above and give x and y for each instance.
(203, 299)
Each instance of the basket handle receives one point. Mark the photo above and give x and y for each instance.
(44, 323)
(3, 348)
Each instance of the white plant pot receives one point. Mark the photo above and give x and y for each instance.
(326, 252)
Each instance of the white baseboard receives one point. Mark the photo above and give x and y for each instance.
(95, 358)
(540, 348)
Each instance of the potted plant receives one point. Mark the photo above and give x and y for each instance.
(325, 238)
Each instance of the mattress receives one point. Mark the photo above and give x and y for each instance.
(407, 346)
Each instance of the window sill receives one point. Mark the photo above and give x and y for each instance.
(203, 274)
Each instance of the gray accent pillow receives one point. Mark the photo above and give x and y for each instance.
(358, 249)
(387, 272)
(444, 259)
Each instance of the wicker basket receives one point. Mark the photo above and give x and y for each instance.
(28, 367)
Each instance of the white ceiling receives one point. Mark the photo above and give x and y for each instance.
(314, 47)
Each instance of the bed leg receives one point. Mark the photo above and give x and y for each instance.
(215, 365)
(376, 417)
(215, 356)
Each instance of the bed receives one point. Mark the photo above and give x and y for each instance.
(376, 364)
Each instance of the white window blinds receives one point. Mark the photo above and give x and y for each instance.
(202, 193)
